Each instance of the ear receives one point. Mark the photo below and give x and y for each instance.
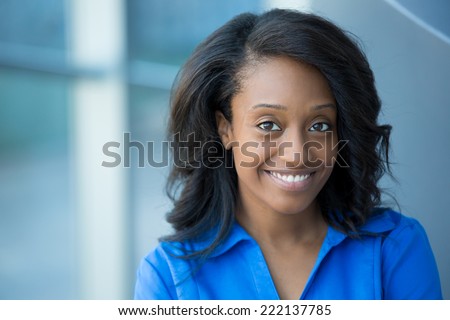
(224, 130)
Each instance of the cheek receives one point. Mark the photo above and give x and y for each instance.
(248, 151)
(322, 152)
(248, 155)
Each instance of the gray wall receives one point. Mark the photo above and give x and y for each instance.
(411, 61)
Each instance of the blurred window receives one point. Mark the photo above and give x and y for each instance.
(36, 236)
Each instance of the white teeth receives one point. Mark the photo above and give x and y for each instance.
(290, 177)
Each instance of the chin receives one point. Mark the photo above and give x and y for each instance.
(290, 209)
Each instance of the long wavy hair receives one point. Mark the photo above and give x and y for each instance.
(204, 192)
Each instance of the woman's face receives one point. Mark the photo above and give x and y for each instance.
(283, 135)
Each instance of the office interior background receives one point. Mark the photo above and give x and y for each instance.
(76, 74)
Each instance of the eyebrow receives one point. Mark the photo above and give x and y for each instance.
(281, 107)
(323, 106)
(271, 106)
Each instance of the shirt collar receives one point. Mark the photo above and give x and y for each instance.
(237, 234)
(379, 223)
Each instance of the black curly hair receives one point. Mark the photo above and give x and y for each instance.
(205, 193)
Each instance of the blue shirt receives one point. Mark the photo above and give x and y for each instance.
(399, 264)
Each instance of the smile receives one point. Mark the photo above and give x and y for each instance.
(290, 177)
(291, 182)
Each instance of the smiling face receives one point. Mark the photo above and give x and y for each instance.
(282, 134)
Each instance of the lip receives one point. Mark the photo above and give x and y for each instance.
(294, 185)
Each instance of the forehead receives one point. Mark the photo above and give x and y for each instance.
(282, 81)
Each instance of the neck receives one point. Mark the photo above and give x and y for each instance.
(269, 227)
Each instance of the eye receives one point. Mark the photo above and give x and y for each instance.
(269, 126)
(320, 126)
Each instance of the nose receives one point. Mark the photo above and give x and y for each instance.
(297, 151)
(292, 148)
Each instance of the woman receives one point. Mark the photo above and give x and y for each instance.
(277, 156)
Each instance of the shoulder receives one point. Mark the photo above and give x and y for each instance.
(152, 280)
(409, 269)
(165, 274)
(159, 271)
(167, 257)
(407, 228)
(390, 222)
(397, 230)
